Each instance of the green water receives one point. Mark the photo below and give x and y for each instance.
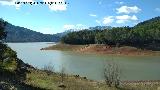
(88, 65)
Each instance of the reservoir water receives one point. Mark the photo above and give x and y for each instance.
(88, 65)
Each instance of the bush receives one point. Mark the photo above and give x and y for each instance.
(112, 74)
(49, 69)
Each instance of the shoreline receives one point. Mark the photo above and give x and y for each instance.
(22, 75)
(102, 49)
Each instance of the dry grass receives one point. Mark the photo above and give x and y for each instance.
(38, 78)
(102, 49)
(41, 79)
(148, 85)
(64, 47)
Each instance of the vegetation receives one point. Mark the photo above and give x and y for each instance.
(49, 69)
(39, 78)
(112, 74)
(144, 35)
(80, 37)
(103, 49)
(64, 47)
(21, 34)
(12, 69)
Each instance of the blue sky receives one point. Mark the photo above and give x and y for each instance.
(78, 14)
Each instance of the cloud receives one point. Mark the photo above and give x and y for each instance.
(157, 9)
(75, 27)
(98, 21)
(93, 15)
(57, 7)
(68, 26)
(125, 18)
(122, 19)
(120, 3)
(127, 9)
(108, 20)
(12, 2)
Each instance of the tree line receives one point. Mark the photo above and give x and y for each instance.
(6, 53)
(146, 33)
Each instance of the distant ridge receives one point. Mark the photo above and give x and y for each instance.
(100, 27)
(21, 34)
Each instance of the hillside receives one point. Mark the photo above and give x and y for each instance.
(145, 35)
(142, 39)
(21, 34)
(148, 23)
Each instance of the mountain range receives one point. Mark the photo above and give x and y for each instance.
(21, 34)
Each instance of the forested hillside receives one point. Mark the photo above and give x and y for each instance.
(144, 35)
(21, 34)
(12, 70)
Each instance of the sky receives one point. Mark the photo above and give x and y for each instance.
(77, 14)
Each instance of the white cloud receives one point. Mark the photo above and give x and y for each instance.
(75, 27)
(127, 10)
(12, 2)
(79, 25)
(125, 18)
(98, 21)
(157, 9)
(120, 3)
(68, 26)
(108, 20)
(122, 19)
(57, 7)
(93, 15)
(134, 17)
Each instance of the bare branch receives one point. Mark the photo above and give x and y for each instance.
(112, 74)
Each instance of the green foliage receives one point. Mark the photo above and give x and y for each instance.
(21, 34)
(80, 37)
(10, 65)
(7, 55)
(2, 36)
(2, 32)
(8, 59)
(144, 34)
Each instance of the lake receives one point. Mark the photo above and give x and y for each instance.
(88, 65)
